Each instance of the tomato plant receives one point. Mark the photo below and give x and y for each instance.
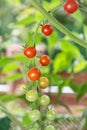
(44, 60)
(70, 6)
(30, 52)
(47, 29)
(31, 95)
(43, 82)
(34, 74)
(51, 115)
(44, 100)
(50, 127)
(34, 115)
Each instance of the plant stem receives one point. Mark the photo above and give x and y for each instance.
(35, 34)
(57, 24)
(84, 8)
(13, 118)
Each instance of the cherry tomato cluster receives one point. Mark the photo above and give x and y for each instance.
(34, 74)
(70, 6)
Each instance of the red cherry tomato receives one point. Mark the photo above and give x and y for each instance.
(30, 52)
(34, 74)
(44, 60)
(70, 6)
(47, 29)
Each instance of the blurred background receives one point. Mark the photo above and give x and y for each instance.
(68, 69)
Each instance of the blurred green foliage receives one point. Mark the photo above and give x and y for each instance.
(66, 55)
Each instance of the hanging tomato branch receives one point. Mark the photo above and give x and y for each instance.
(57, 24)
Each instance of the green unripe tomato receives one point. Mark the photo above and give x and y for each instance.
(50, 127)
(43, 82)
(32, 95)
(44, 100)
(34, 129)
(36, 125)
(51, 115)
(34, 115)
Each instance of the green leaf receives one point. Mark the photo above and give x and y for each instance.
(26, 21)
(82, 91)
(80, 65)
(8, 97)
(66, 46)
(10, 67)
(74, 86)
(13, 77)
(19, 58)
(5, 123)
(26, 120)
(4, 61)
(52, 4)
(62, 61)
(62, 85)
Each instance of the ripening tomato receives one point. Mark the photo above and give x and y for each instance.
(43, 82)
(50, 127)
(51, 115)
(44, 60)
(47, 29)
(70, 6)
(32, 95)
(44, 100)
(34, 74)
(34, 115)
(30, 51)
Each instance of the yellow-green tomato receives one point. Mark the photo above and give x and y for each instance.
(43, 82)
(51, 115)
(44, 100)
(50, 127)
(32, 95)
(34, 115)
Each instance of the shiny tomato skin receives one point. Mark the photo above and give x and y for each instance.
(44, 60)
(34, 74)
(43, 82)
(70, 6)
(47, 29)
(34, 115)
(32, 95)
(30, 52)
(51, 115)
(50, 127)
(44, 100)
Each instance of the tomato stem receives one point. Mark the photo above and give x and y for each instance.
(57, 24)
(35, 34)
(83, 8)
